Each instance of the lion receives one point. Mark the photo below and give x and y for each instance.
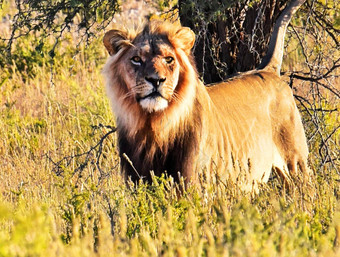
(169, 121)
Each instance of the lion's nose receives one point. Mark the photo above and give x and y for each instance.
(155, 81)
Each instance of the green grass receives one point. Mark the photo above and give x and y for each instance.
(76, 209)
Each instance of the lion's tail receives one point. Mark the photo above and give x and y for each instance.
(273, 59)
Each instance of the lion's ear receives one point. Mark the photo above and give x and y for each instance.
(114, 40)
(184, 39)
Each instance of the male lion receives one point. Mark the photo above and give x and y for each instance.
(167, 120)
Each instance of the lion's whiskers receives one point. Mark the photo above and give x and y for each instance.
(140, 88)
(127, 95)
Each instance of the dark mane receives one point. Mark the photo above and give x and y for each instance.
(173, 157)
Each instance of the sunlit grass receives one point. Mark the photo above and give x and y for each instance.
(51, 112)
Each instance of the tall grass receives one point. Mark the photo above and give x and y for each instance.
(57, 201)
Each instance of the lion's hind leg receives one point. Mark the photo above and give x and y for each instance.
(292, 173)
(280, 169)
(289, 137)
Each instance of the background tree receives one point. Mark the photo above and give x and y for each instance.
(49, 21)
(232, 36)
(56, 17)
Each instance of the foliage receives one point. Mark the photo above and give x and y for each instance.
(55, 17)
(44, 23)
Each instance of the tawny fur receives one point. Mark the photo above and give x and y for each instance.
(241, 128)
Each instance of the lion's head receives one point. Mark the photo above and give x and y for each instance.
(149, 63)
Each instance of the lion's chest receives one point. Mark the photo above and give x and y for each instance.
(145, 155)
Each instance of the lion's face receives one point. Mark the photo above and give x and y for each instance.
(153, 73)
(149, 63)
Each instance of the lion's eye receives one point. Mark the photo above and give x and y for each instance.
(136, 60)
(169, 59)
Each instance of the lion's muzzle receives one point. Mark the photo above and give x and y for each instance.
(153, 99)
(155, 81)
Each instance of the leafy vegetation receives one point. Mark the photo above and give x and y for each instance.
(62, 193)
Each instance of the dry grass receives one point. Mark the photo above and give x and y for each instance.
(47, 210)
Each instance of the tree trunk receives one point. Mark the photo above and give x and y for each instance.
(232, 36)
